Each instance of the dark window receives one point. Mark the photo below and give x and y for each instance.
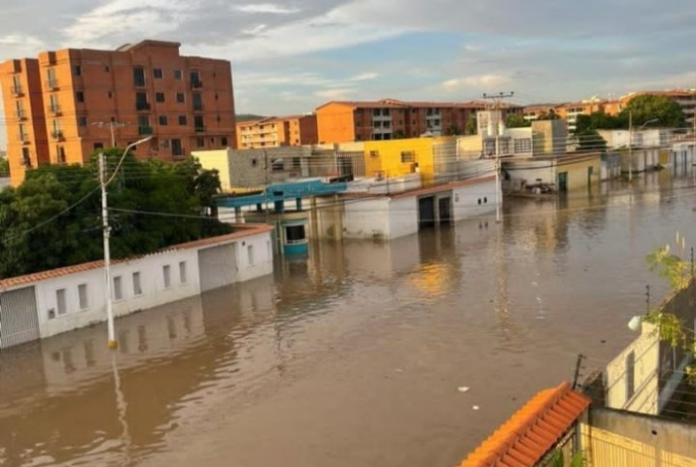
(163, 120)
(278, 165)
(177, 150)
(107, 68)
(198, 123)
(139, 76)
(200, 142)
(407, 157)
(178, 74)
(110, 94)
(195, 79)
(218, 119)
(183, 121)
(77, 70)
(630, 376)
(295, 233)
(82, 121)
(159, 97)
(197, 101)
(216, 96)
(26, 157)
(80, 96)
(180, 97)
(223, 141)
(157, 73)
(143, 121)
(296, 163)
(98, 146)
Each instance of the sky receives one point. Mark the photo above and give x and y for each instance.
(291, 57)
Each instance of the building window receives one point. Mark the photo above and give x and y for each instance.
(630, 376)
(61, 155)
(110, 94)
(159, 97)
(26, 157)
(98, 146)
(223, 141)
(295, 234)
(82, 121)
(61, 302)
(163, 120)
(107, 68)
(278, 165)
(182, 272)
(80, 96)
(167, 274)
(197, 101)
(374, 154)
(180, 97)
(139, 76)
(522, 145)
(200, 142)
(137, 286)
(407, 157)
(250, 254)
(199, 124)
(178, 74)
(195, 79)
(82, 292)
(296, 163)
(118, 288)
(183, 121)
(157, 73)
(177, 149)
(77, 70)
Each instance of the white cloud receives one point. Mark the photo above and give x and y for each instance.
(365, 77)
(335, 94)
(127, 18)
(254, 30)
(270, 8)
(489, 80)
(21, 45)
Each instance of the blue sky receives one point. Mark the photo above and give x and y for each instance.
(290, 57)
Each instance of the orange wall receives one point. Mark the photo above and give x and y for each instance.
(336, 123)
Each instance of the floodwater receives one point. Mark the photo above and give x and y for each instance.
(354, 356)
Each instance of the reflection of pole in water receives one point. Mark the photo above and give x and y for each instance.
(121, 406)
(502, 303)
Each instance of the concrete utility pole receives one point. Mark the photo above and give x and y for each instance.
(104, 183)
(630, 146)
(112, 129)
(497, 105)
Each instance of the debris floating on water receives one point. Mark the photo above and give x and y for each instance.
(463, 389)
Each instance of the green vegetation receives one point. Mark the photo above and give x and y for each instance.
(39, 231)
(4, 167)
(578, 460)
(248, 117)
(517, 121)
(453, 131)
(590, 140)
(643, 109)
(472, 125)
(670, 326)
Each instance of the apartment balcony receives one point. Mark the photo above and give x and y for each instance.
(144, 130)
(143, 106)
(54, 109)
(196, 84)
(52, 84)
(198, 107)
(17, 90)
(199, 129)
(58, 135)
(21, 114)
(24, 138)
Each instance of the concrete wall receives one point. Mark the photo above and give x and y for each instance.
(386, 157)
(578, 171)
(367, 219)
(623, 439)
(386, 185)
(474, 200)
(403, 217)
(549, 138)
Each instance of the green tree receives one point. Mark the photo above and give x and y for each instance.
(590, 140)
(517, 121)
(599, 121)
(550, 115)
(4, 167)
(53, 219)
(648, 107)
(577, 460)
(454, 130)
(399, 134)
(472, 125)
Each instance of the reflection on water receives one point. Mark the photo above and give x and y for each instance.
(352, 353)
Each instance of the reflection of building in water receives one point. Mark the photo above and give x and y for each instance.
(382, 260)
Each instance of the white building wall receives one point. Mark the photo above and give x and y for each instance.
(367, 219)
(403, 217)
(474, 200)
(258, 264)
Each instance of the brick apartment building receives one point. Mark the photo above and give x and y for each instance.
(341, 122)
(570, 111)
(54, 104)
(294, 130)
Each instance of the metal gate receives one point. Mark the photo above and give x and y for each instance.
(19, 322)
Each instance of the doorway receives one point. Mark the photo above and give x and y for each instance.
(445, 208)
(426, 212)
(563, 182)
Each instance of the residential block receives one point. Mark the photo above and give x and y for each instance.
(294, 130)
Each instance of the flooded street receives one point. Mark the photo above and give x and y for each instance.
(354, 356)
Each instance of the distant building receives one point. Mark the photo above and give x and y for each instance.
(295, 130)
(53, 104)
(387, 119)
(570, 111)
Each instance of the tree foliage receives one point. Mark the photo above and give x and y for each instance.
(38, 231)
(517, 121)
(472, 125)
(648, 107)
(599, 121)
(4, 167)
(590, 140)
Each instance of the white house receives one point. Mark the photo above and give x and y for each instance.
(48, 303)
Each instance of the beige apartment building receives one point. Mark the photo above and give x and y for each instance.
(63, 106)
(294, 130)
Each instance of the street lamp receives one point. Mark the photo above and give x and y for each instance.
(630, 141)
(107, 234)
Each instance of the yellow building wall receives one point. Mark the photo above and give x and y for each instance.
(386, 157)
(578, 175)
(216, 160)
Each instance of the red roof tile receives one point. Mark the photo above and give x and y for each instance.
(532, 431)
(241, 231)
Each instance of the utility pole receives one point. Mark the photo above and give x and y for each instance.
(112, 129)
(497, 105)
(112, 344)
(630, 145)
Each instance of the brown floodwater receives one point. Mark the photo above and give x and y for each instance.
(354, 356)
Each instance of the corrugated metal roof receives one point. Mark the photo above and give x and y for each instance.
(532, 431)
